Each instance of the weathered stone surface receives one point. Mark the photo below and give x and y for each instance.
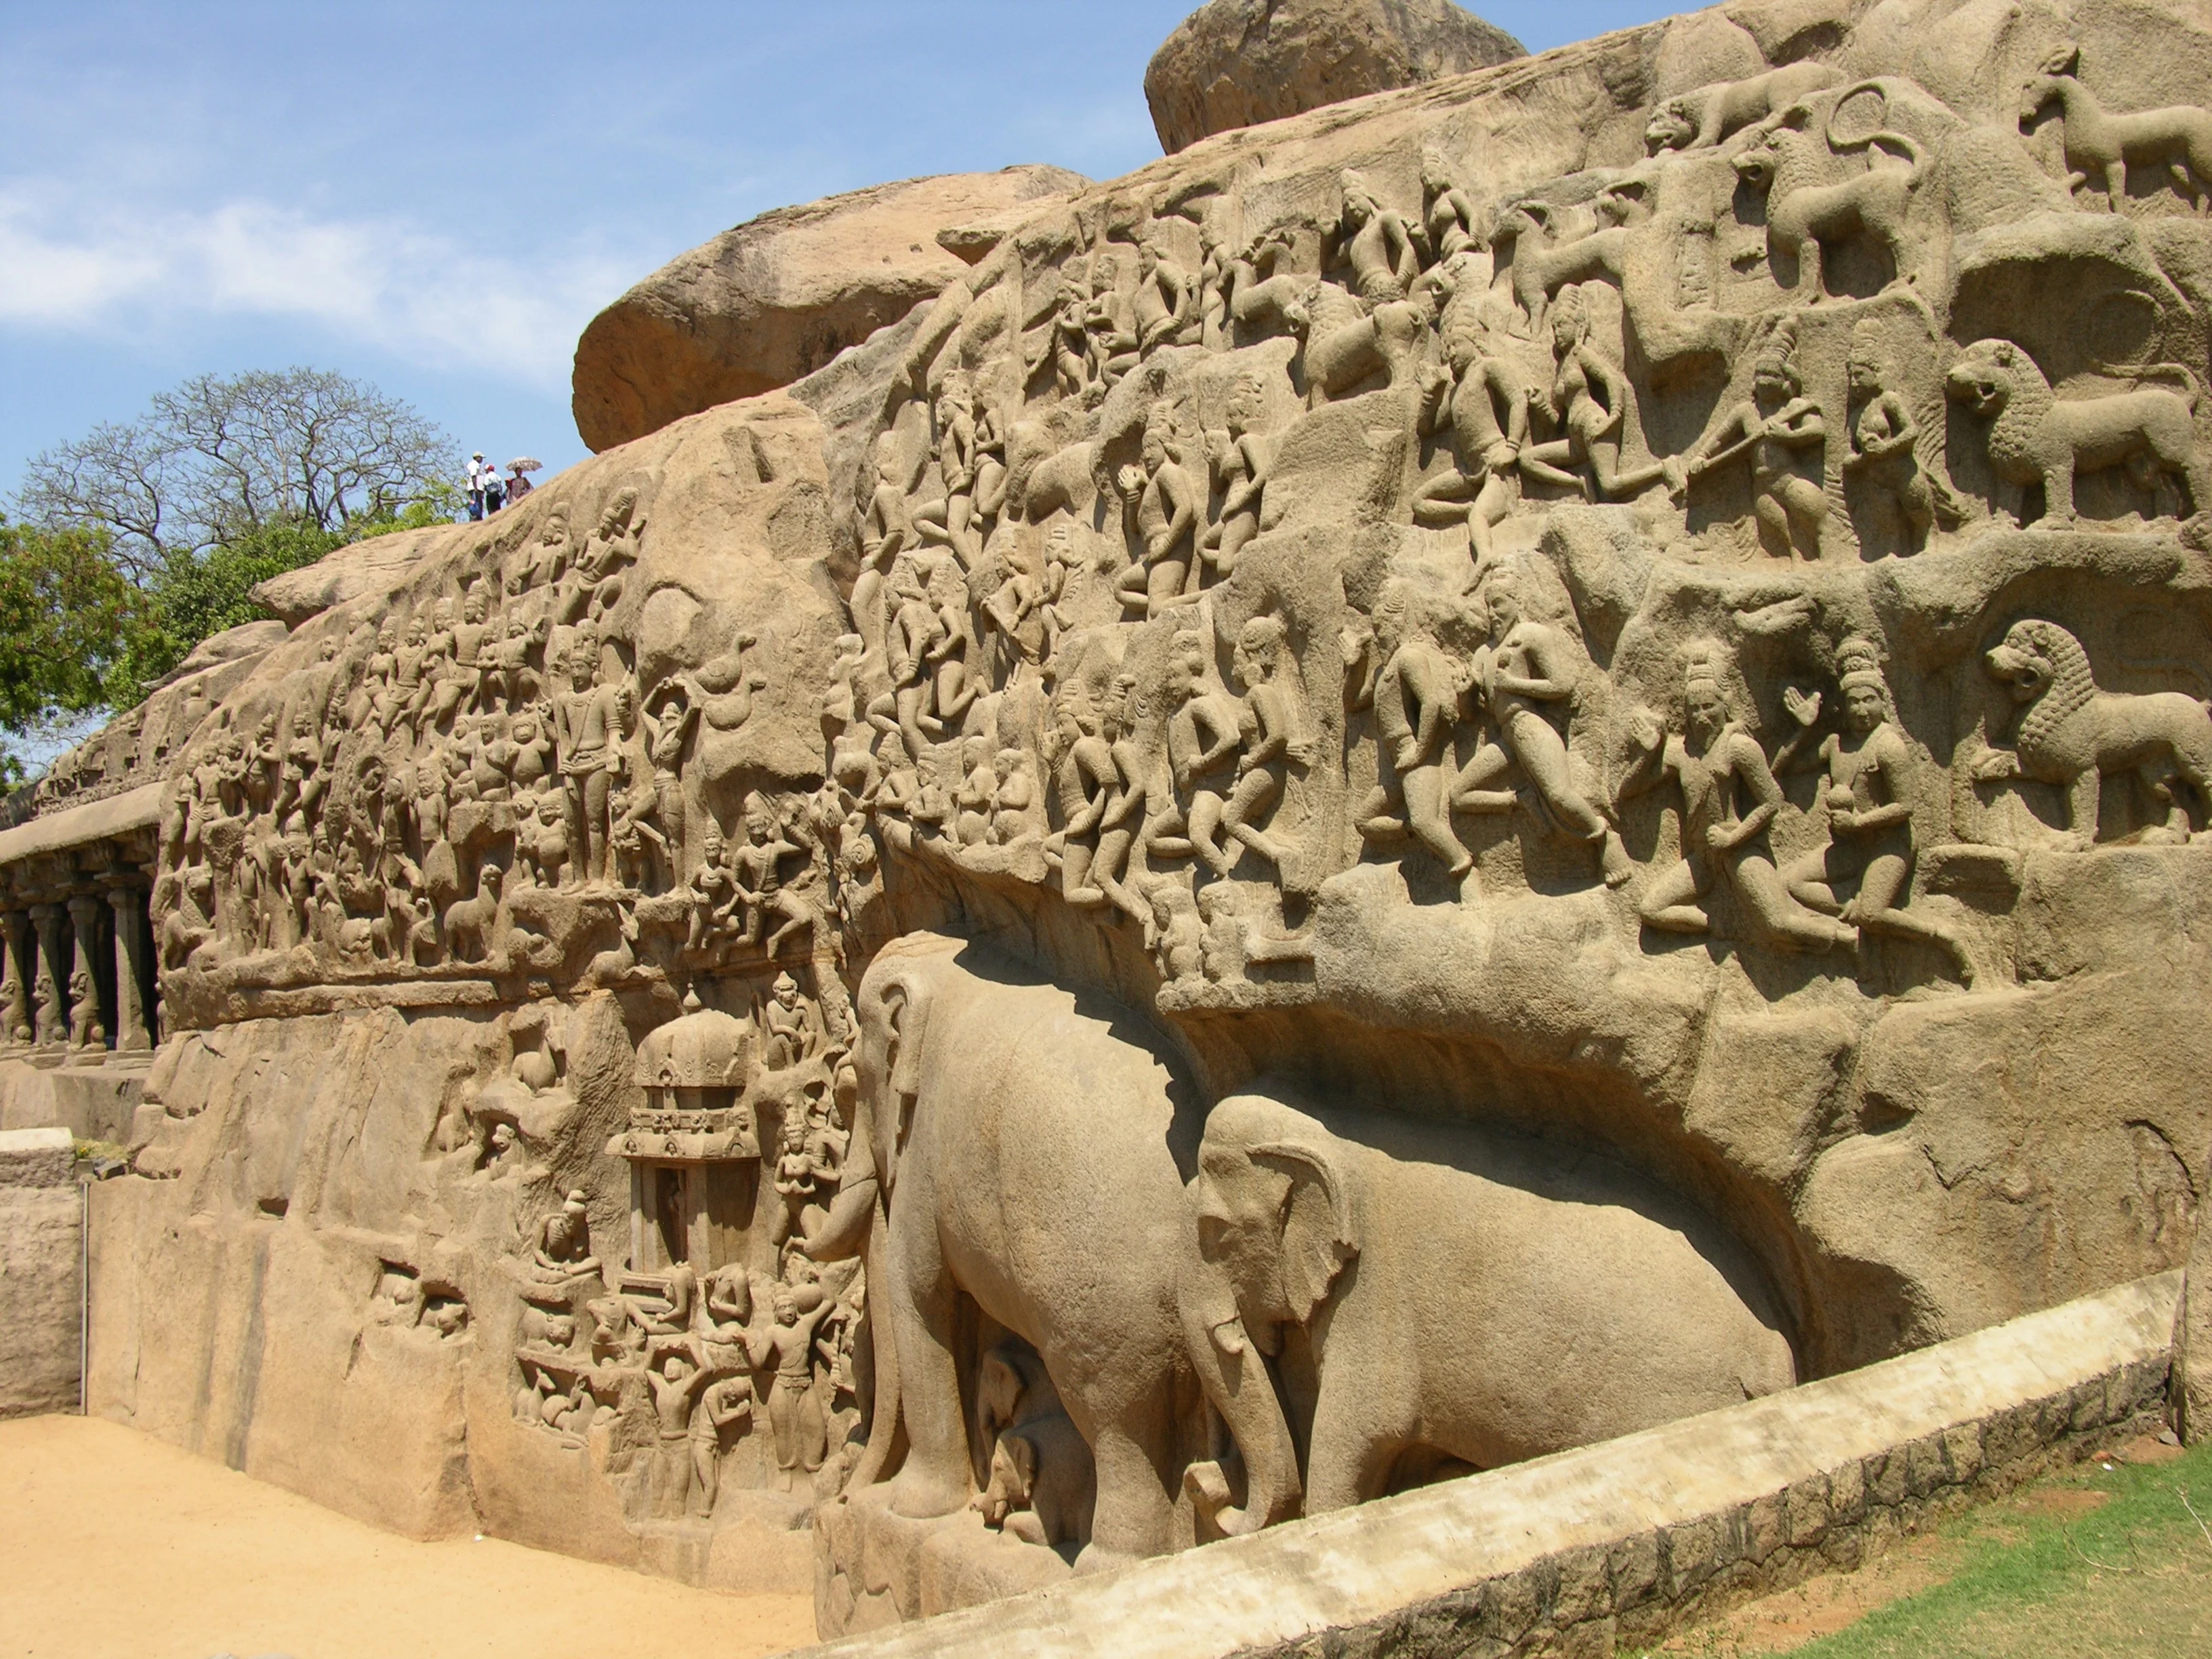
(778, 296)
(352, 572)
(1237, 62)
(1776, 1487)
(39, 1276)
(1613, 652)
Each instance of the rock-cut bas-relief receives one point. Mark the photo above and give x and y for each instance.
(1407, 771)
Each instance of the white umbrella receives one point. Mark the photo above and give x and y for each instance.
(526, 464)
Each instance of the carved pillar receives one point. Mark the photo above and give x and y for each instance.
(129, 904)
(20, 971)
(85, 910)
(50, 1016)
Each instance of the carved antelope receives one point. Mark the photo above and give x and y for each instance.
(2100, 145)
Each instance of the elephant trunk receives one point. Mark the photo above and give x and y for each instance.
(1237, 1383)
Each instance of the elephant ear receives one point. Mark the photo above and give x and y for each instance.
(1318, 1238)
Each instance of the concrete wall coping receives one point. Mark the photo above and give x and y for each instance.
(34, 1140)
(1360, 1566)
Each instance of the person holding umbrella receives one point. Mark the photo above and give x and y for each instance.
(518, 485)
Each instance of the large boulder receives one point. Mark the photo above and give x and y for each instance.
(776, 298)
(1236, 63)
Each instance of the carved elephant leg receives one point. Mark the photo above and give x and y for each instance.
(934, 1478)
(1131, 1515)
(1351, 1452)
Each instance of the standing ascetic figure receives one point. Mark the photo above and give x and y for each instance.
(1016, 1142)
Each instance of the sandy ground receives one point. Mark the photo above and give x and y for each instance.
(114, 1546)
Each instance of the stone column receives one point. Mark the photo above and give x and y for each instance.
(21, 970)
(49, 1012)
(131, 1036)
(84, 910)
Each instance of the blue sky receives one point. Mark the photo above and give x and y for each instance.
(438, 196)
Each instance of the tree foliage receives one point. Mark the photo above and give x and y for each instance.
(224, 456)
(146, 537)
(69, 619)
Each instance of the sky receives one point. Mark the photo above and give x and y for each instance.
(437, 198)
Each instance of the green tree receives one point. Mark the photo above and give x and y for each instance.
(193, 596)
(223, 456)
(69, 619)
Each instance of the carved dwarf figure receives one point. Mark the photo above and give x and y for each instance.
(1781, 430)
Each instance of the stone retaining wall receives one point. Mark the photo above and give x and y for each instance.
(1613, 1545)
(40, 1262)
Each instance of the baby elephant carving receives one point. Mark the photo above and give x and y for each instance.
(1042, 1484)
(1436, 1296)
(2036, 439)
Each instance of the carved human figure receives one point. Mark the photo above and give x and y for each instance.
(1161, 508)
(563, 1249)
(971, 801)
(1162, 306)
(723, 1401)
(1478, 398)
(1531, 678)
(1270, 742)
(1262, 295)
(1416, 700)
(1783, 433)
(1085, 784)
(1378, 245)
(1110, 325)
(1873, 776)
(1204, 734)
(790, 1028)
(1588, 402)
(1729, 799)
(583, 721)
(1013, 796)
(713, 892)
(794, 1410)
(756, 870)
(1447, 216)
(1883, 459)
(1068, 342)
(1241, 458)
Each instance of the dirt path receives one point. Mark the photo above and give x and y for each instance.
(114, 1546)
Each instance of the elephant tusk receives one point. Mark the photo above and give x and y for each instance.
(1229, 1335)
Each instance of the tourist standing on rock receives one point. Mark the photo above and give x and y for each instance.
(477, 471)
(494, 491)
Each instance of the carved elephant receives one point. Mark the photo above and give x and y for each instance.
(1026, 1149)
(1435, 1297)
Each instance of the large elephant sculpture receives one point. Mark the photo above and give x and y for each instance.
(1434, 1296)
(1025, 1148)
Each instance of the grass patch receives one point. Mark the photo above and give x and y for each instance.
(2105, 1560)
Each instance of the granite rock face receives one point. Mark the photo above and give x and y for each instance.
(1237, 62)
(778, 296)
(1615, 652)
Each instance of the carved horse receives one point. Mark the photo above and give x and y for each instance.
(2100, 145)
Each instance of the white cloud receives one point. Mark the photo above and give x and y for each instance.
(70, 262)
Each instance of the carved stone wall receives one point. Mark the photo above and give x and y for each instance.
(1505, 763)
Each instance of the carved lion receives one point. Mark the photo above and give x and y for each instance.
(2036, 439)
(2071, 734)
